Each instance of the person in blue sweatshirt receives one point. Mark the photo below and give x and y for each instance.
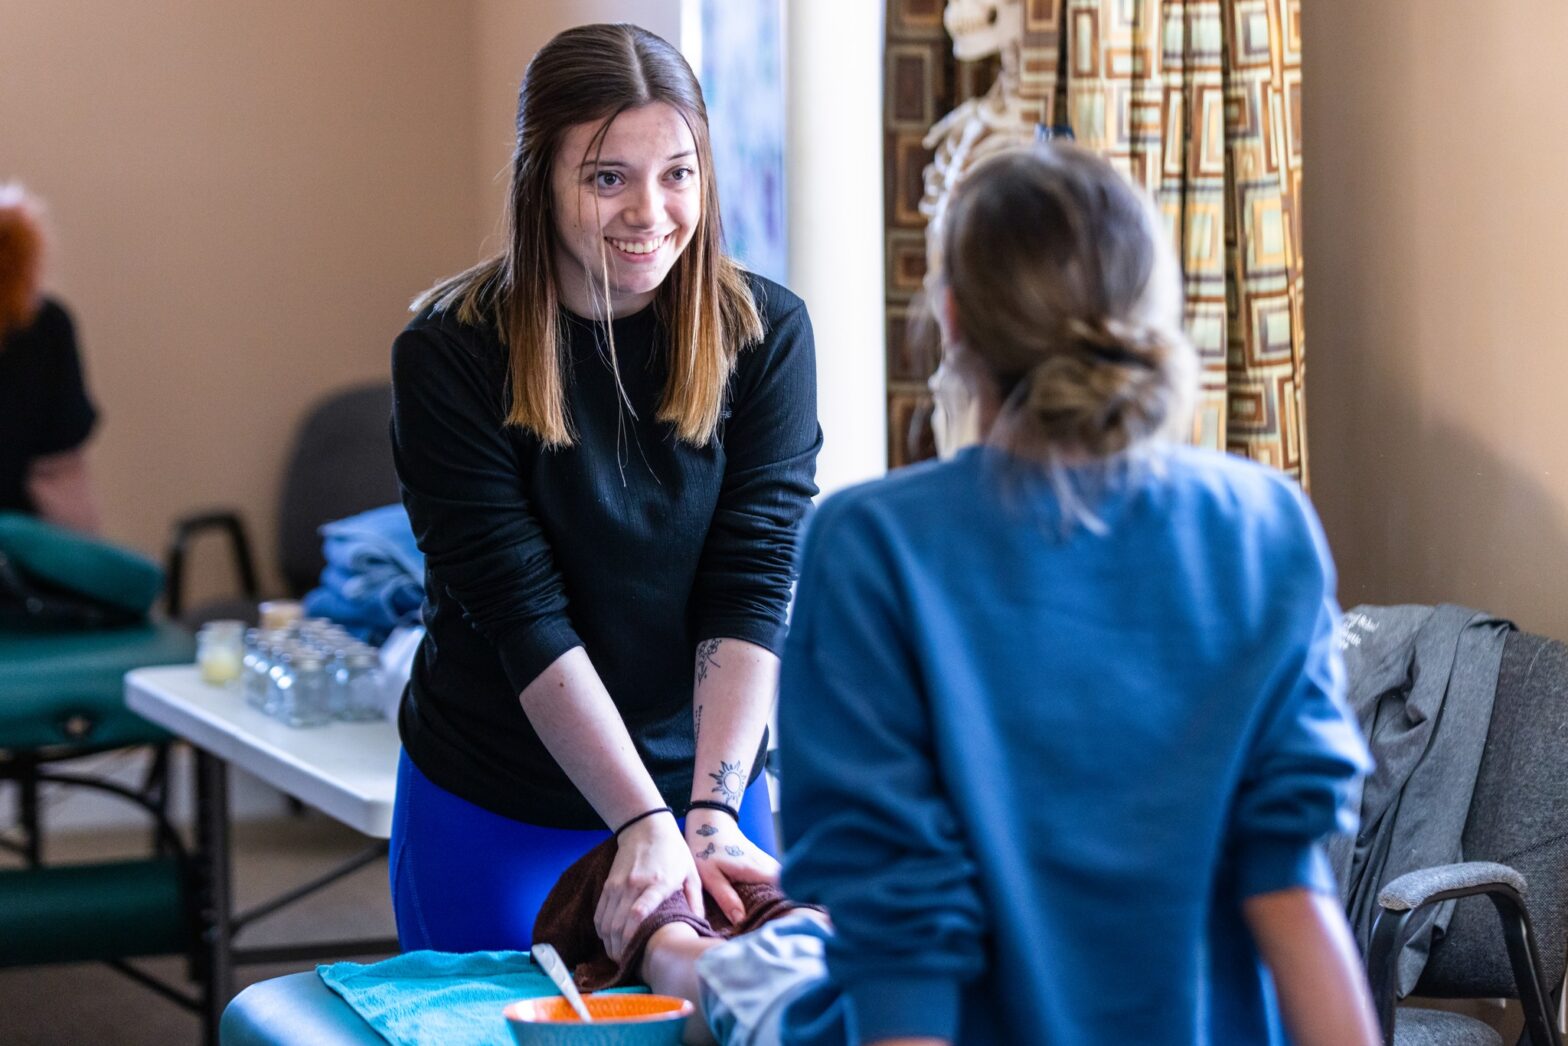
(1061, 717)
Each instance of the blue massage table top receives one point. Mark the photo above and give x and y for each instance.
(295, 1010)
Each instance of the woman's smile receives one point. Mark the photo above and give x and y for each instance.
(642, 250)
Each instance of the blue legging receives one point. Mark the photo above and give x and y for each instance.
(465, 879)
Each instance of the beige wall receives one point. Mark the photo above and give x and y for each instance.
(245, 198)
(1437, 154)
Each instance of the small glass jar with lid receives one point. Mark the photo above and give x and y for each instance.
(301, 685)
(358, 685)
(220, 649)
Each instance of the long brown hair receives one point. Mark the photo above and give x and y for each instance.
(593, 73)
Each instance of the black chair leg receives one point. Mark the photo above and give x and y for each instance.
(27, 815)
(155, 789)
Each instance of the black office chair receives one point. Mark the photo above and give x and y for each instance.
(1508, 937)
(340, 465)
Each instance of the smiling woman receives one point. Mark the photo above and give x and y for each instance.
(606, 437)
(620, 218)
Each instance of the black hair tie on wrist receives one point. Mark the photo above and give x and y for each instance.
(642, 817)
(713, 804)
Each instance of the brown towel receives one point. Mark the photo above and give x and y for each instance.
(566, 919)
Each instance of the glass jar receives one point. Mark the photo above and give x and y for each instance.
(275, 647)
(302, 689)
(280, 677)
(254, 664)
(220, 649)
(358, 685)
(280, 613)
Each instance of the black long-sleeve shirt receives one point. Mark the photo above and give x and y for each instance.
(629, 543)
(44, 406)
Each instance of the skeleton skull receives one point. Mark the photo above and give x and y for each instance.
(983, 27)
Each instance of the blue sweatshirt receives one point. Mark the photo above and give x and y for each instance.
(1033, 773)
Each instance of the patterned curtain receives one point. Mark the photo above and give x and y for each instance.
(1200, 101)
(922, 83)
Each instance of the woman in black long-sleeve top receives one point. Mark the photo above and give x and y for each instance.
(606, 438)
(46, 414)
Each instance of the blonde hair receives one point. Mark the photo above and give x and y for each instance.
(22, 242)
(1067, 293)
(587, 74)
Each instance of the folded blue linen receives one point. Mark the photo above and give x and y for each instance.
(381, 536)
(355, 617)
(395, 603)
(429, 997)
(374, 577)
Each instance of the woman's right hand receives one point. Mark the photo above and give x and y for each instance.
(652, 861)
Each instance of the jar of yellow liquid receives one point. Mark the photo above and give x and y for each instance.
(220, 651)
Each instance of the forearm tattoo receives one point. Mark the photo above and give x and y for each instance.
(706, 651)
(707, 829)
(728, 783)
(697, 729)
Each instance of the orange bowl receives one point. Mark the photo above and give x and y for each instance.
(618, 1020)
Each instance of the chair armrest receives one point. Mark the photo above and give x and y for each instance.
(183, 534)
(1414, 889)
(1504, 887)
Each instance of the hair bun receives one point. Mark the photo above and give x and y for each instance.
(1110, 341)
(1109, 393)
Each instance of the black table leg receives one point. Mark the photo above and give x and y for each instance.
(212, 855)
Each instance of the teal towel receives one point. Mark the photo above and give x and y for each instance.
(454, 999)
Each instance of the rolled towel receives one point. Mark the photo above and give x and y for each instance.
(566, 919)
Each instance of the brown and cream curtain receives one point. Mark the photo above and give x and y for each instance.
(1200, 101)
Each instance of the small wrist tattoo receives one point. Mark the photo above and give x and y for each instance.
(707, 829)
(709, 852)
(728, 783)
(734, 851)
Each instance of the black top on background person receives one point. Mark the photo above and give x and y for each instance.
(45, 415)
(44, 406)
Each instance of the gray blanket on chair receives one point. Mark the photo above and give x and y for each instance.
(1421, 683)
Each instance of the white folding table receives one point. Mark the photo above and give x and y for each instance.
(346, 770)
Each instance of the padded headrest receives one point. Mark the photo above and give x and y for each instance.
(85, 565)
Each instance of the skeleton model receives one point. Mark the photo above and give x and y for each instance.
(1000, 118)
(980, 126)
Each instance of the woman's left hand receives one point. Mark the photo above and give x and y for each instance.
(725, 856)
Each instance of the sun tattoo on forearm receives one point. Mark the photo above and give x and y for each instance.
(729, 782)
(705, 658)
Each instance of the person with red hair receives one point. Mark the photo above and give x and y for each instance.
(46, 415)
